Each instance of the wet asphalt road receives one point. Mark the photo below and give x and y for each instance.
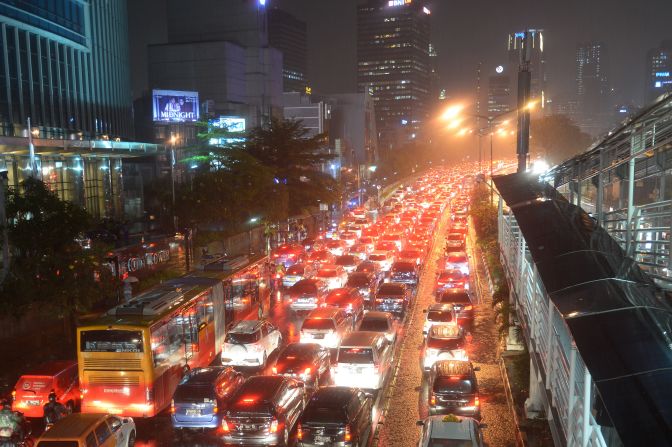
(404, 400)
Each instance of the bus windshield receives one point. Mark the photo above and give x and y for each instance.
(112, 340)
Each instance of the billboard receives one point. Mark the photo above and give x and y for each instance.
(174, 106)
(230, 124)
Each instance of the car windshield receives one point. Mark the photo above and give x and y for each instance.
(346, 260)
(295, 351)
(457, 258)
(375, 325)
(236, 338)
(446, 344)
(196, 392)
(358, 281)
(304, 288)
(327, 273)
(295, 270)
(319, 412)
(390, 289)
(377, 257)
(437, 442)
(437, 315)
(450, 384)
(318, 323)
(404, 268)
(455, 237)
(355, 355)
(459, 298)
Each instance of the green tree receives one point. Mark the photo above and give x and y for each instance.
(557, 138)
(49, 270)
(284, 147)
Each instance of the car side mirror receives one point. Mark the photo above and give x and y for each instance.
(126, 420)
(477, 368)
(424, 311)
(420, 423)
(482, 425)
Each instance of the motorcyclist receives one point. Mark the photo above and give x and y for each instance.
(11, 423)
(54, 410)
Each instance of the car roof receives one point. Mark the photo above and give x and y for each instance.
(50, 368)
(263, 387)
(73, 426)
(203, 375)
(360, 338)
(441, 307)
(324, 312)
(246, 326)
(376, 315)
(333, 396)
(453, 368)
(439, 428)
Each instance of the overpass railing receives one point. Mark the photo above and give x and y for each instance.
(563, 383)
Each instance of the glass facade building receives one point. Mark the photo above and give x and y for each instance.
(64, 65)
(393, 65)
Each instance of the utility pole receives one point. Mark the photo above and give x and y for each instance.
(524, 85)
(478, 112)
(5, 229)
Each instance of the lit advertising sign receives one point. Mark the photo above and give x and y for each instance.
(398, 2)
(173, 106)
(230, 124)
(662, 74)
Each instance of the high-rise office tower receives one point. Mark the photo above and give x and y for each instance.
(288, 34)
(537, 63)
(393, 65)
(592, 87)
(64, 64)
(501, 97)
(659, 70)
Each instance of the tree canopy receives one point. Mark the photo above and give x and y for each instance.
(48, 267)
(557, 138)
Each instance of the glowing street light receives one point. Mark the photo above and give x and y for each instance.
(454, 123)
(452, 112)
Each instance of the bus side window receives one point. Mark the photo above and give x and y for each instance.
(160, 346)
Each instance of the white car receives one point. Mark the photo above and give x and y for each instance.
(439, 314)
(457, 260)
(384, 259)
(382, 322)
(250, 343)
(364, 360)
(109, 430)
(450, 430)
(444, 343)
(326, 326)
(333, 276)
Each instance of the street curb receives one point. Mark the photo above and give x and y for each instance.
(521, 439)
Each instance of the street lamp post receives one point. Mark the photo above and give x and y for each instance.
(173, 140)
(252, 221)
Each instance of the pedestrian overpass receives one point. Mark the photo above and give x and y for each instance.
(586, 248)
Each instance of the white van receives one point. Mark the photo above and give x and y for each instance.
(364, 360)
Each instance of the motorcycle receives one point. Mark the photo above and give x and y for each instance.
(8, 438)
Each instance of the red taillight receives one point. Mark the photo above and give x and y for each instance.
(225, 426)
(172, 407)
(468, 307)
(274, 426)
(13, 394)
(307, 371)
(299, 432)
(348, 435)
(432, 399)
(215, 410)
(477, 402)
(275, 370)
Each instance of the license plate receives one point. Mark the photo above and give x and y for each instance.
(249, 427)
(193, 412)
(33, 403)
(323, 439)
(302, 300)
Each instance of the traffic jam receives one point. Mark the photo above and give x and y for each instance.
(313, 369)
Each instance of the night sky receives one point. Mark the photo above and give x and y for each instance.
(464, 32)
